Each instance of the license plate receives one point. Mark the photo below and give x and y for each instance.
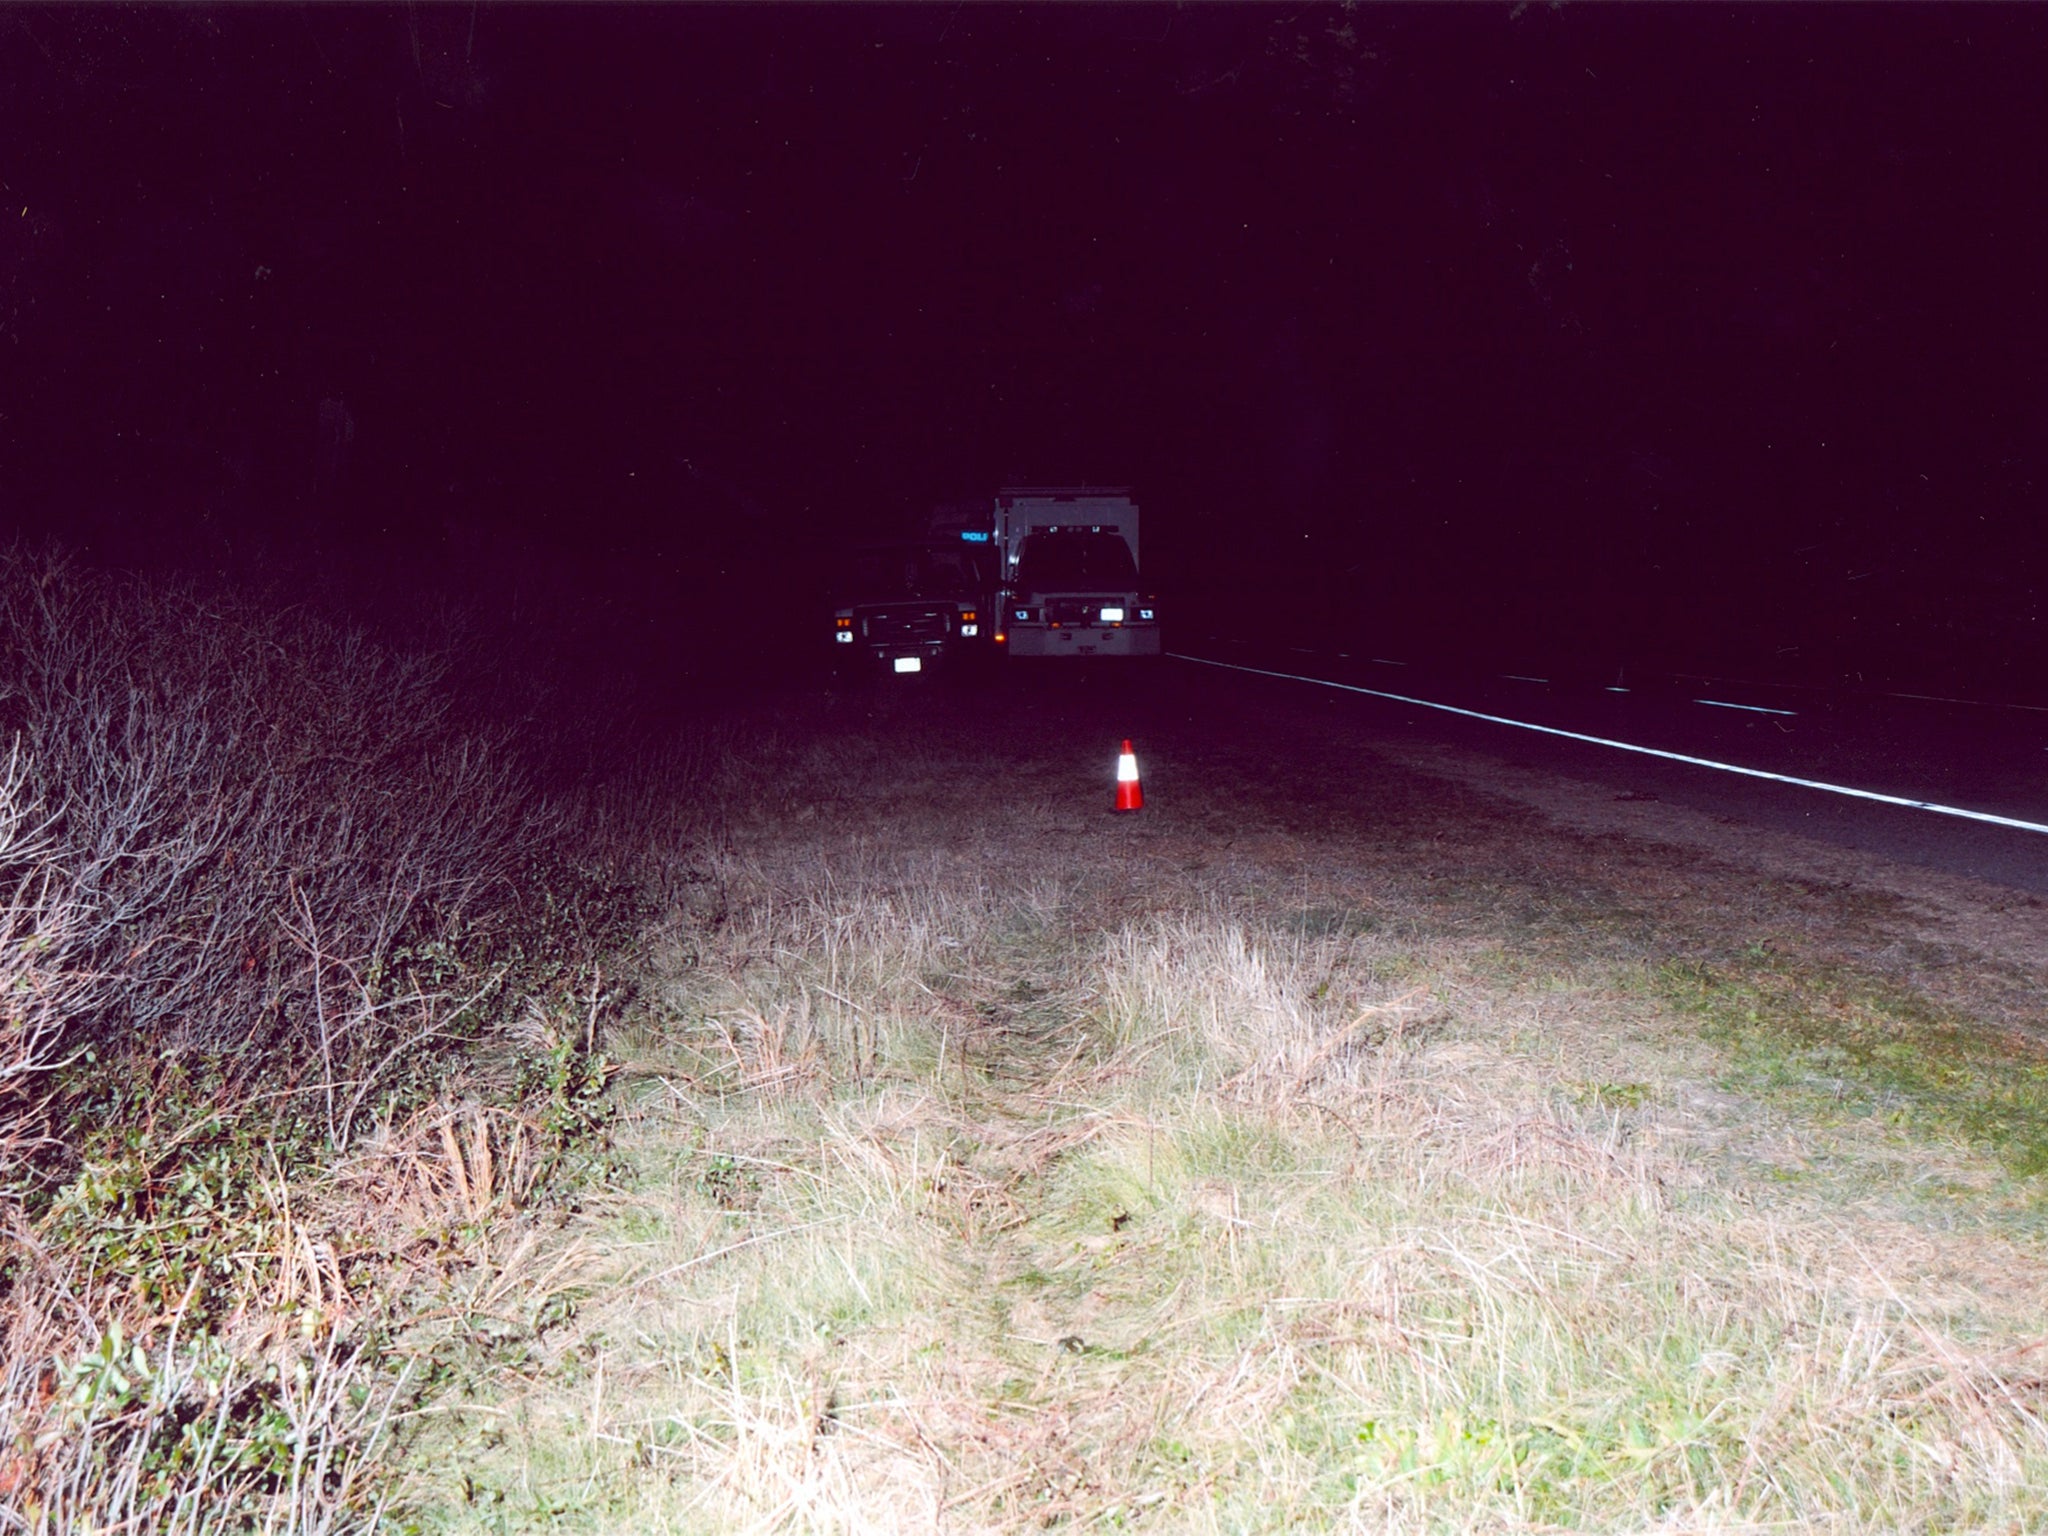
(909, 663)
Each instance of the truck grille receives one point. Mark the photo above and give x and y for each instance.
(906, 623)
(1077, 610)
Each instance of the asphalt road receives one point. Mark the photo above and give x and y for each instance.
(1978, 758)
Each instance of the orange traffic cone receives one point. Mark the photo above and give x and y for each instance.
(1130, 795)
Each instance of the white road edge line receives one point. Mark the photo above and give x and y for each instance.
(1630, 746)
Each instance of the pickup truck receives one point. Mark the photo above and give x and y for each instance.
(910, 606)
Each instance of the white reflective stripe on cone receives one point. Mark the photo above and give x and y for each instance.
(1127, 768)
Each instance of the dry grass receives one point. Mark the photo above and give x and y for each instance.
(1234, 1180)
(1347, 1151)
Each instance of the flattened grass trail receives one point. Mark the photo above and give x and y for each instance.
(1348, 1141)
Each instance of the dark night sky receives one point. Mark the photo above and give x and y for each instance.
(1668, 330)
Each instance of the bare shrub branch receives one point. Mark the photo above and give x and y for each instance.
(265, 879)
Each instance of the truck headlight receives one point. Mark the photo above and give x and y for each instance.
(844, 637)
(1112, 615)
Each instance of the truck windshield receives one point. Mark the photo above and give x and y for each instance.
(897, 571)
(1076, 562)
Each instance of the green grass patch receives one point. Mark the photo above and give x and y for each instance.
(1860, 1046)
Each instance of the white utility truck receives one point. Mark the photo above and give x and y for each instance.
(1067, 569)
